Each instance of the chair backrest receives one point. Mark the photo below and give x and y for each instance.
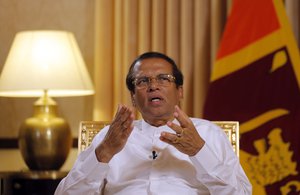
(88, 130)
(231, 128)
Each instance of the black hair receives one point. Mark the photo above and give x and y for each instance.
(176, 72)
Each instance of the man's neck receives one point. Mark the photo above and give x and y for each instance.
(158, 122)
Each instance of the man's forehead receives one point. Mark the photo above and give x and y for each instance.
(152, 63)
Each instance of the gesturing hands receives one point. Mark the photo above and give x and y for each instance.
(117, 135)
(186, 138)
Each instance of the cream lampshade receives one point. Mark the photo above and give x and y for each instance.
(45, 64)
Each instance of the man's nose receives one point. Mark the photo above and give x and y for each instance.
(152, 82)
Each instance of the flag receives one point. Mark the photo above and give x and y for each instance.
(255, 80)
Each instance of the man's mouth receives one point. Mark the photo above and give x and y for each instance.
(155, 99)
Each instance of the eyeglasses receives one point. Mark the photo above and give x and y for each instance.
(161, 80)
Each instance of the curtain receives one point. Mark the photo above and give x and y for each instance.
(186, 30)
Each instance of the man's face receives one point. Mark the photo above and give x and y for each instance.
(155, 101)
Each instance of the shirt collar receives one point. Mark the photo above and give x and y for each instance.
(146, 128)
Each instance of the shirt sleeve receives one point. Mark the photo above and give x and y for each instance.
(87, 175)
(217, 166)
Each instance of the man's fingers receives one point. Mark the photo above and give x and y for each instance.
(182, 117)
(123, 115)
(178, 129)
(183, 120)
(122, 124)
(169, 138)
(127, 123)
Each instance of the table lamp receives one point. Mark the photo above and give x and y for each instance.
(45, 64)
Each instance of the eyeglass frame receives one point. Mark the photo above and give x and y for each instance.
(148, 81)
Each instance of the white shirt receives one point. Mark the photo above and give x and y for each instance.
(215, 169)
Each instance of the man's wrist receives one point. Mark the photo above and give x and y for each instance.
(102, 155)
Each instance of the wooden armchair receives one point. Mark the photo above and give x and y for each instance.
(88, 130)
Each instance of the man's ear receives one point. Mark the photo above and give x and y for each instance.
(180, 92)
(132, 99)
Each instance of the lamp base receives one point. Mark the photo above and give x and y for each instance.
(45, 139)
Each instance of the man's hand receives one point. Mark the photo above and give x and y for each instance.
(117, 135)
(186, 138)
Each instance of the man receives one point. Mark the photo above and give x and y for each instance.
(164, 153)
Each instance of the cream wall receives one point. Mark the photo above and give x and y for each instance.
(76, 16)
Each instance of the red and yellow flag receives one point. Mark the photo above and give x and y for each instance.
(256, 81)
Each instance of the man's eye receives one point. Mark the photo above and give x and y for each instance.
(142, 81)
(164, 78)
